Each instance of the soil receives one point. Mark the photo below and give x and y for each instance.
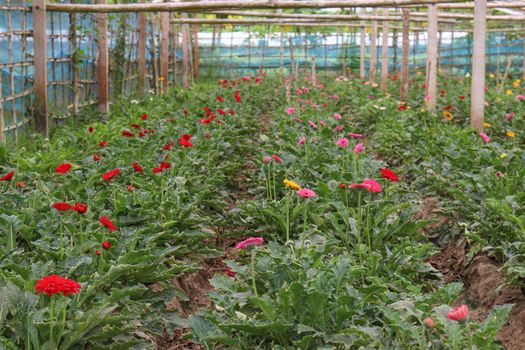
(485, 287)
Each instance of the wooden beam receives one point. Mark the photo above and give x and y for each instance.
(164, 51)
(102, 61)
(384, 57)
(432, 57)
(477, 99)
(141, 53)
(223, 5)
(2, 121)
(405, 55)
(40, 118)
(448, 15)
(373, 50)
(495, 4)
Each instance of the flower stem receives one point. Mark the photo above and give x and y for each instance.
(287, 238)
(61, 243)
(51, 322)
(254, 287)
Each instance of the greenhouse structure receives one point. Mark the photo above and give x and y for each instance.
(262, 174)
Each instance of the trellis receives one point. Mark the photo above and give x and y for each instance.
(152, 34)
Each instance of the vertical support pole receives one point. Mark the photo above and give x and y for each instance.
(432, 56)
(523, 64)
(405, 55)
(2, 121)
(185, 52)
(394, 43)
(102, 61)
(74, 59)
(164, 51)
(314, 73)
(384, 56)
(362, 68)
(477, 106)
(373, 49)
(281, 53)
(40, 119)
(196, 67)
(141, 53)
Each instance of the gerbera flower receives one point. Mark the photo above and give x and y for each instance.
(107, 223)
(369, 185)
(252, 241)
(447, 115)
(291, 184)
(80, 208)
(306, 193)
(184, 141)
(7, 176)
(63, 168)
(389, 175)
(110, 174)
(343, 142)
(458, 313)
(54, 284)
(137, 167)
(61, 206)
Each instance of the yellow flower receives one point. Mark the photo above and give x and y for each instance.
(503, 155)
(491, 75)
(487, 125)
(291, 184)
(516, 83)
(510, 134)
(161, 78)
(508, 92)
(447, 115)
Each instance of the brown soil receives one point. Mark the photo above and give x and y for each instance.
(176, 341)
(485, 287)
(431, 210)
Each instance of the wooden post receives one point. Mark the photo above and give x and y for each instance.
(102, 61)
(74, 59)
(362, 68)
(196, 66)
(432, 57)
(152, 51)
(314, 73)
(40, 119)
(2, 121)
(477, 106)
(164, 51)
(281, 52)
(141, 53)
(384, 57)
(394, 43)
(405, 55)
(373, 49)
(185, 52)
(523, 64)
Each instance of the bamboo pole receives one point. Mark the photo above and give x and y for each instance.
(102, 61)
(327, 20)
(2, 120)
(523, 63)
(152, 53)
(185, 53)
(405, 56)
(373, 50)
(222, 5)
(40, 118)
(74, 59)
(362, 68)
(384, 57)
(432, 57)
(141, 53)
(292, 63)
(477, 107)
(281, 53)
(314, 73)
(164, 51)
(196, 66)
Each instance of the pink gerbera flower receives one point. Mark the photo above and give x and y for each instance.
(359, 148)
(369, 185)
(343, 142)
(248, 242)
(306, 193)
(485, 137)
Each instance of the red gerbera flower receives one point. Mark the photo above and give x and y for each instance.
(106, 244)
(61, 206)
(221, 111)
(90, 129)
(7, 176)
(231, 111)
(461, 97)
(168, 146)
(277, 158)
(342, 186)
(135, 126)
(184, 141)
(144, 116)
(80, 208)
(127, 133)
(220, 99)
(20, 184)
(107, 223)
(63, 168)
(137, 167)
(402, 108)
(96, 157)
(54, 284)
(389, 175)
(111, 174)
(448, 108)
(103, 143)
(230, 273)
